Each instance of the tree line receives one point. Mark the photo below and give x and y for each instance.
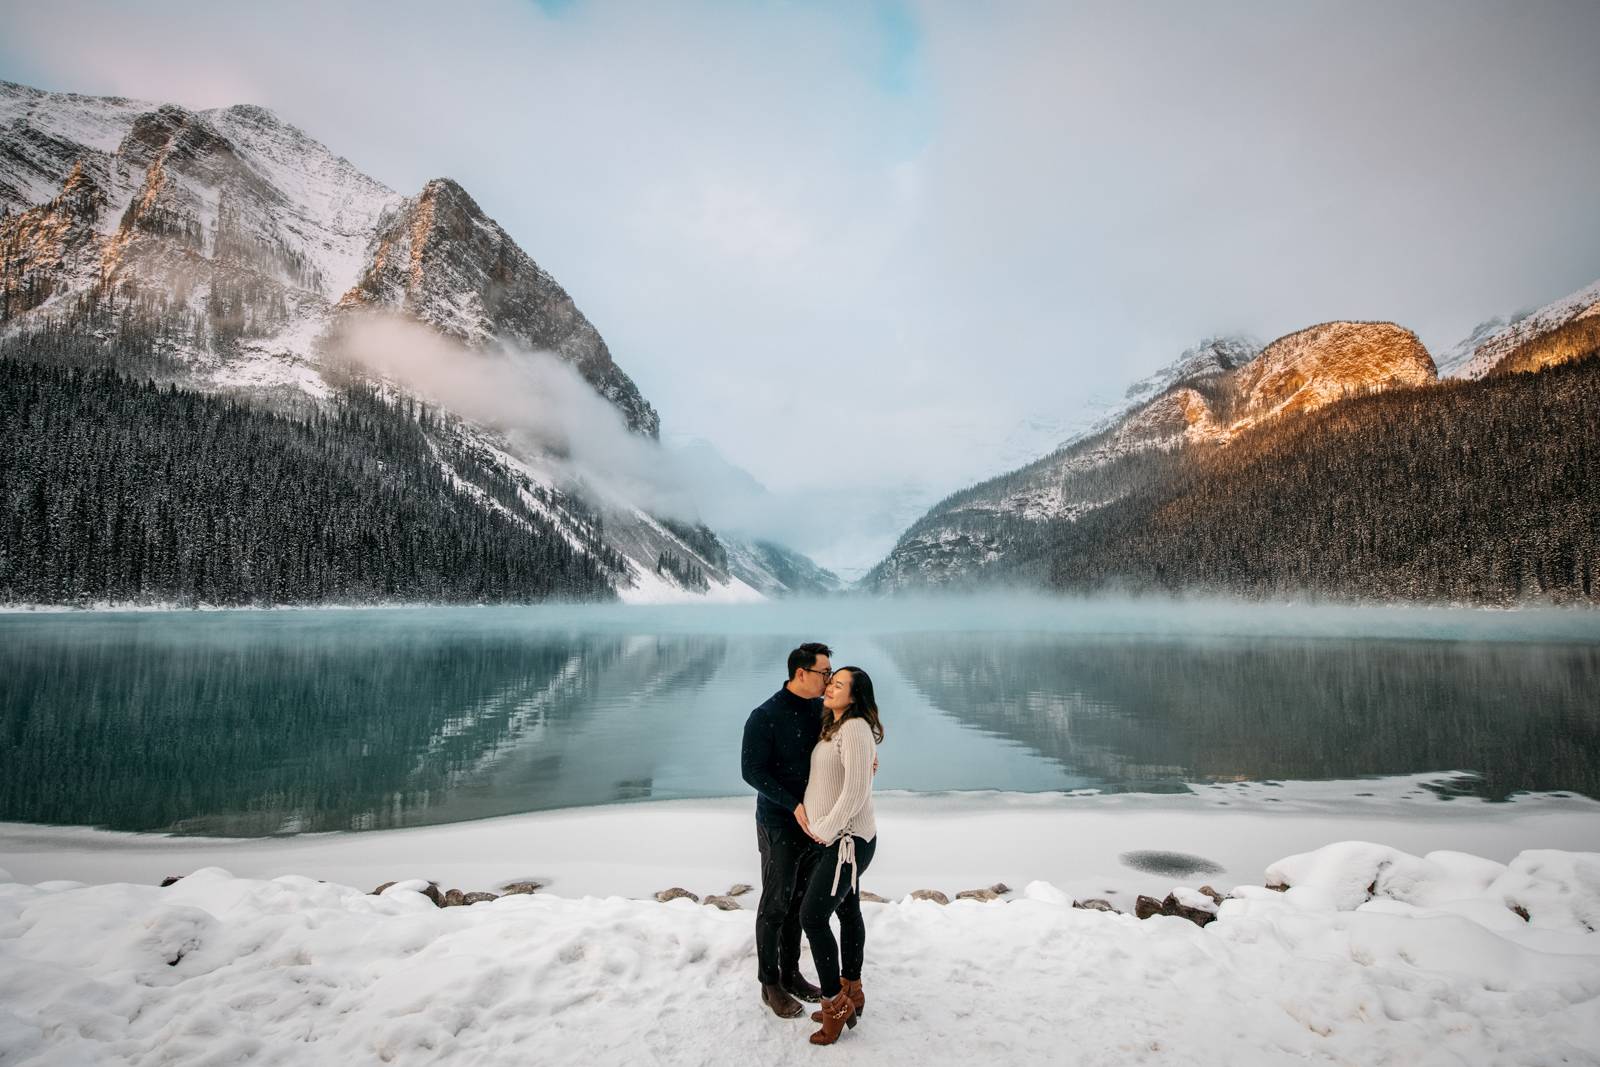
(117, 489)
(1485, 492)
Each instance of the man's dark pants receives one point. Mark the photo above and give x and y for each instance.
(787, 856)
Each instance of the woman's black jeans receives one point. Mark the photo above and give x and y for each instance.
(819, 904)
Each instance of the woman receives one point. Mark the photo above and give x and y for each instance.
(838, 804)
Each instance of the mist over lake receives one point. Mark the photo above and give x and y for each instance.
(257, 723)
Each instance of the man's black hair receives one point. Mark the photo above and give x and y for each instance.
(806, 656)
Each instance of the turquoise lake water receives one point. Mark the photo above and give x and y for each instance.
(253, 723)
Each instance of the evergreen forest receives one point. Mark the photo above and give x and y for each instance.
(1466, 491)
(114, 489)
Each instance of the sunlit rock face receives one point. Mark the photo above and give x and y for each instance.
(1321, 364)
(44, 247)
(1577, 338)
(217, 243)
(438, 257)
(1207, 398)
(1180, 415)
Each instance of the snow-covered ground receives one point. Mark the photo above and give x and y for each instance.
(269, 965)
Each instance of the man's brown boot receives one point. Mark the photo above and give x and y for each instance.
(778, 999)
(851, 987)
(837, 1012)
(797, 986)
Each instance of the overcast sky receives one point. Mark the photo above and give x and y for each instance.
(873, 252)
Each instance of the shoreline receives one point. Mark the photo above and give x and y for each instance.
(944, 841)
(844, 617)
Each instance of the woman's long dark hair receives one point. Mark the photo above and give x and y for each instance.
(863, 705)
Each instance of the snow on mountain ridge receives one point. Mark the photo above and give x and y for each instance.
(1208, 396)
(37, 128)
(1212, 356)
(227, 240)
(1491, 351)
(333, 207)
(1453, 362)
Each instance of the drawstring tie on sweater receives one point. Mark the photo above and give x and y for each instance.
(847, 854)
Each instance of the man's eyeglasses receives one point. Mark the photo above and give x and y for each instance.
(812, 670)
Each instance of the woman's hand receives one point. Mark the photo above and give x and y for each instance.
(805, 823)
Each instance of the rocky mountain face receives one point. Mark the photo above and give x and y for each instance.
(1209, 396)
(1212, 357)
(1331, 462)
(221, 238)
(439, 258)
(221, 249)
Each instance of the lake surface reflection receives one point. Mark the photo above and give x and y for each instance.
(251, 723)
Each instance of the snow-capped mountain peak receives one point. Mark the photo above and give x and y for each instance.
(227, 247)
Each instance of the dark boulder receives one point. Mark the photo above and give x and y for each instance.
(1145, 907)
(1175, 907)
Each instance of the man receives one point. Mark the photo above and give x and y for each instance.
(776, 761)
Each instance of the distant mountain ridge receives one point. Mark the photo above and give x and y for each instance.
(1209, 395)
(220, 250)
(1015, 528)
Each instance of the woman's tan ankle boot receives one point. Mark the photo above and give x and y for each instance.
(837, 1012)
(851, 988)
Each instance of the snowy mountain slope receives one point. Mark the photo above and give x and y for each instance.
(223, 249)
(1208, 396)
(441, 260)
(777, 571)
(980, 527)
(1211, 357)
(1453, 361)
(1563, 329)
(43, 134)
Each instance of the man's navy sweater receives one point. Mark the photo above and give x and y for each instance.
(776, 757)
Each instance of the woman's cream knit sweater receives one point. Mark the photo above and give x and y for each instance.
(839, 792)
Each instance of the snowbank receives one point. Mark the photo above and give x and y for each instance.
(952, 841)
(290, 970)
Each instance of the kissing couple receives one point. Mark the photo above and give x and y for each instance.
(809, 753)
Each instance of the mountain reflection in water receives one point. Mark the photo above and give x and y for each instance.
(1152, 714)
(253, 723)
(306, 727)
